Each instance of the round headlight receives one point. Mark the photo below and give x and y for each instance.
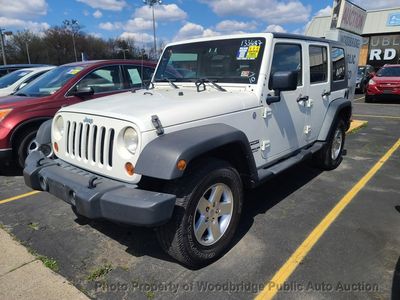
(131, 139)
(58, 128)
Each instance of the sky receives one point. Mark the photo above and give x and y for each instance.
(175, 19)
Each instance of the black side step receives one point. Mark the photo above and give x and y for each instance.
(271, 171)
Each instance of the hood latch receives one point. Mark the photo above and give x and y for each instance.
(157, 124)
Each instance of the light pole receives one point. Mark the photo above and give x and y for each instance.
(123, 51)
(27, 52)
(151, 3)
(3, 47)
(72, 25)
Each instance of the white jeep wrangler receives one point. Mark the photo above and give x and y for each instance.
(221, 114)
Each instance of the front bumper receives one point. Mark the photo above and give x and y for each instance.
(103, 198)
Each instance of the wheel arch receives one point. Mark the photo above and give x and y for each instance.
(22, 127)
(339, 108)
(159, 158)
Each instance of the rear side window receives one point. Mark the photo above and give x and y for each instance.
(287, 57)
(338, 64)
(318, 64)
(134, 77)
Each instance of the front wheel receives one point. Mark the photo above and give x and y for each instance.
(331, 155)
(207, 214)
(26, 144)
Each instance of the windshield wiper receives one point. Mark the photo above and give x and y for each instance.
(170, 81)
(202, 81)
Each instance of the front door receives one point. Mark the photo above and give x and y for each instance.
(284, 120)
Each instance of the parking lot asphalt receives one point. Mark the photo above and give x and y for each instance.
(357, 257)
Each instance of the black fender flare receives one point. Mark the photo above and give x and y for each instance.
(159, 158)
(43, 135)
(334, 109)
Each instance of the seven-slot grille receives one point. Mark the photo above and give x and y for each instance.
(89, 142)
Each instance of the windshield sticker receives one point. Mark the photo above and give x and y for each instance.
(74, 71)
(248, 53)
(245, 74)
(248, 43)
(23, 74)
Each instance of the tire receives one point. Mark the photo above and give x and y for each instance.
(24, 145)
(178, 237)
(369, 99)
(331, 155)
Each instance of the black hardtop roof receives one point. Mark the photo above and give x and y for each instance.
(304, 37)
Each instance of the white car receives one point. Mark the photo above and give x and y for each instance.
(222, 115)
(16, 80)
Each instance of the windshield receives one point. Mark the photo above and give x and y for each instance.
(389, 72)
(50, 82)
(12, 78)
(230, 61)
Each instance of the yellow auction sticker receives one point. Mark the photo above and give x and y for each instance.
(253, 51)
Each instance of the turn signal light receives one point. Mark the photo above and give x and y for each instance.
(181, 165)
(129, 168)
(56, 147)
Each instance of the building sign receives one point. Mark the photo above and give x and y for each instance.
(348, 16)
(384, 49)
(393, 19)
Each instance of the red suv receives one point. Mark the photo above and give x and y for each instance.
(22, 113)
(386, 82)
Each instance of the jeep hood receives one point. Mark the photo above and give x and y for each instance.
(171, 106)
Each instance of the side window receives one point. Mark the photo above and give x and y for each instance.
(287, 57)
(318, 64)
(106, 79)
(338, 64)
(133, 73)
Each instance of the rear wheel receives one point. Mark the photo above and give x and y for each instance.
(25, 144)
(331, 155)
(206, 216)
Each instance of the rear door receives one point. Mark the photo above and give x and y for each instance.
(318, 80)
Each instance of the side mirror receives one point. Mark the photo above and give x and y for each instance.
(84, 91)
(281, 82)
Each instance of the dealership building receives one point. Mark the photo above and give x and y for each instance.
(381, 36)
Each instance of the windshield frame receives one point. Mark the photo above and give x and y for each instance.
(204, 55)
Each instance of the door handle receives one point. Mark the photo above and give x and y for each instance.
(326, 93)
(302, 98)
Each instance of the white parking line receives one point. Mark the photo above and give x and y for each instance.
(360, 98)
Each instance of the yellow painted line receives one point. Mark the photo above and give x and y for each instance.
(356, 124)
(19, 197)
(277, 281)
(376, 116)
